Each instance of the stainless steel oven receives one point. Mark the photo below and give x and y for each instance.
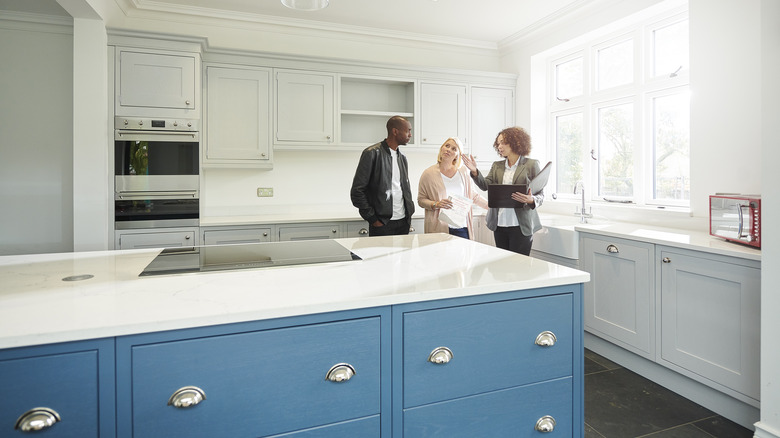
(156, 173)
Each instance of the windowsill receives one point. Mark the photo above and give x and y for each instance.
(674, 217)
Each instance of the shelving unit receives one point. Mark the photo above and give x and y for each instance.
(365, 104)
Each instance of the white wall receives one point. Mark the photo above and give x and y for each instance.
(36, 135)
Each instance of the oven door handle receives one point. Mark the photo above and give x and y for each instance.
(156, 135)
(141, 195)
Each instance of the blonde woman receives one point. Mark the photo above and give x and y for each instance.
(441, 181)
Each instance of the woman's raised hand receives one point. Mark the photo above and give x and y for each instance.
(469, 161)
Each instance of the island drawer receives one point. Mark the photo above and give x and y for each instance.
(257, 383)
(65, 384)
(493, 346)
(511, 412)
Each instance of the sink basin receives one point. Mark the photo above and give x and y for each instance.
(558, 236)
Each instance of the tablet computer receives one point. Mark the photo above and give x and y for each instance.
(500, 195)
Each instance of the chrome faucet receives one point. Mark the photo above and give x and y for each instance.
(581, 213)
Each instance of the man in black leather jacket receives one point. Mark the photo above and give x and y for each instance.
(380, 189)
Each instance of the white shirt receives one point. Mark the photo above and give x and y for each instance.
(399, 212)
(507, 216)
(454, 185)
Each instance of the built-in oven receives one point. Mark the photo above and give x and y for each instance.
(156, 173)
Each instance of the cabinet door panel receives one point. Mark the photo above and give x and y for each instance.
(619, 298)
(66, 383)
(710, 319)
(443, 113)
(304, 107)
(327, 231)
(507, 413)
(173, 239)
(227, 237)
(237, 114)
(486, 356)
(363, 428)
(492, 109)
(257, 383)
(156, 80)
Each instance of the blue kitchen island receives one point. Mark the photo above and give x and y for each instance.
(418, 336)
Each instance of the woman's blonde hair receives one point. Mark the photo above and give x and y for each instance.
(457, 142)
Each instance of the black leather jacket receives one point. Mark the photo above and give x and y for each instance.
(372, 184)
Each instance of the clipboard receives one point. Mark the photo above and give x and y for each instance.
(541, 178)
(500, 195)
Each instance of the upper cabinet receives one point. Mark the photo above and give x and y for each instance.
(492, 109)
(443, 113)
(151, 83)
(237, 114)
(366, 103)
(304, 108)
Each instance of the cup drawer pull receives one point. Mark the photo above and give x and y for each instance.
(37, 419)
(440, 356)
(545, 424)
(341, 372)
(186, 397)
(546, 339)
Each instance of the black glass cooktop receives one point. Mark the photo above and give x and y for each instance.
(247, 256)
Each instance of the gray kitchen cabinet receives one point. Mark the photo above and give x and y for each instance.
(237, 114)
(442, 113)
(158, 238)
(710, 308)
(309, 231)
(356, 229)
(620, 298)
(238, 235)
(492, 109)
(154, 83)
(482, 233)
(304, 108)
(417, 226)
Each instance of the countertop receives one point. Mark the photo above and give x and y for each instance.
(38, 307)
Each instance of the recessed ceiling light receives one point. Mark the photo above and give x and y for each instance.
(306, 5)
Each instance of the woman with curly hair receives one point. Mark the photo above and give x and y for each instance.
(513, 228)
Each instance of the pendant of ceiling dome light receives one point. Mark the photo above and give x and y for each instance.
(306, 5)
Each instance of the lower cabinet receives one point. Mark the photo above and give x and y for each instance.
(619, 299)
(160, 238)
(309, 231)
(61, 390)
(236, 236)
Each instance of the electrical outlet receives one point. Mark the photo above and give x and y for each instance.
(265, 192)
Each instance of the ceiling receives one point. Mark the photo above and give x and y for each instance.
(480, 22)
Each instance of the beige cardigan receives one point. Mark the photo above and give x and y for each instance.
(431, 190)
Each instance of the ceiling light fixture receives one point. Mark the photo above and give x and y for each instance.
(306, 5)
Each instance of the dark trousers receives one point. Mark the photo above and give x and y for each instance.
(512, 239)
(460, 232)
(391, 228)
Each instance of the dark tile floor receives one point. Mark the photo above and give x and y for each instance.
(622, 404)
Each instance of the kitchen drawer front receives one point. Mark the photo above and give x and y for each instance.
(363, 428)
(493, 347)
(66, 383)
(228, 237)
(257, 383)
(505, 413)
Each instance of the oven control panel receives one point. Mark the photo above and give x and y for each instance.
(150, 124)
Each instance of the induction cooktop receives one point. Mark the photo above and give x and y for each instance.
(247, 256)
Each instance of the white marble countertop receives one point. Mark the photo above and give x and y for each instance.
(660, 235)
(38, 307)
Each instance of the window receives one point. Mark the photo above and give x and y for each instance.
(618, 114)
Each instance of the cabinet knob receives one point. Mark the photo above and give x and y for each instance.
(546, 339)
(411, 229)
(341, 372)
(545, 424)
(187, 102)
(334, 231)
(265, 234)
(363, 232)
(440, 356)
(37, 419)
(666, 260)
(186, 397)
(187, 237)
(613, 249)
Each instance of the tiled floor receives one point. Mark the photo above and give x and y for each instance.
(622, 404)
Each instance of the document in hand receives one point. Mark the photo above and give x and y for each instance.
(541, 178)
(458, 215)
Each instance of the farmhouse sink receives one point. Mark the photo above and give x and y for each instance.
(558, 236)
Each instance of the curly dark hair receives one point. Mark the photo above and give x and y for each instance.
(517, 139)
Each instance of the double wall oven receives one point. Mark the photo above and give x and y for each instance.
(156, 180)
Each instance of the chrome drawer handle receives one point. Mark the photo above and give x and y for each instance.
(341, 372)
(545, 424)
(37, 419)
(186, 397)
(546, 339)
(363, 232)
(440, 356)
(613, 249)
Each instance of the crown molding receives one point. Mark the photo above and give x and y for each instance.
(38, 22)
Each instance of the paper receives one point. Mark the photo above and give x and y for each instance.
(540, 180)
(458, 215)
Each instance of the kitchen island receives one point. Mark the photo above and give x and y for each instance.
(423, 335)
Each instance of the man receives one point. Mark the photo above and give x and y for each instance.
(380, 189)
